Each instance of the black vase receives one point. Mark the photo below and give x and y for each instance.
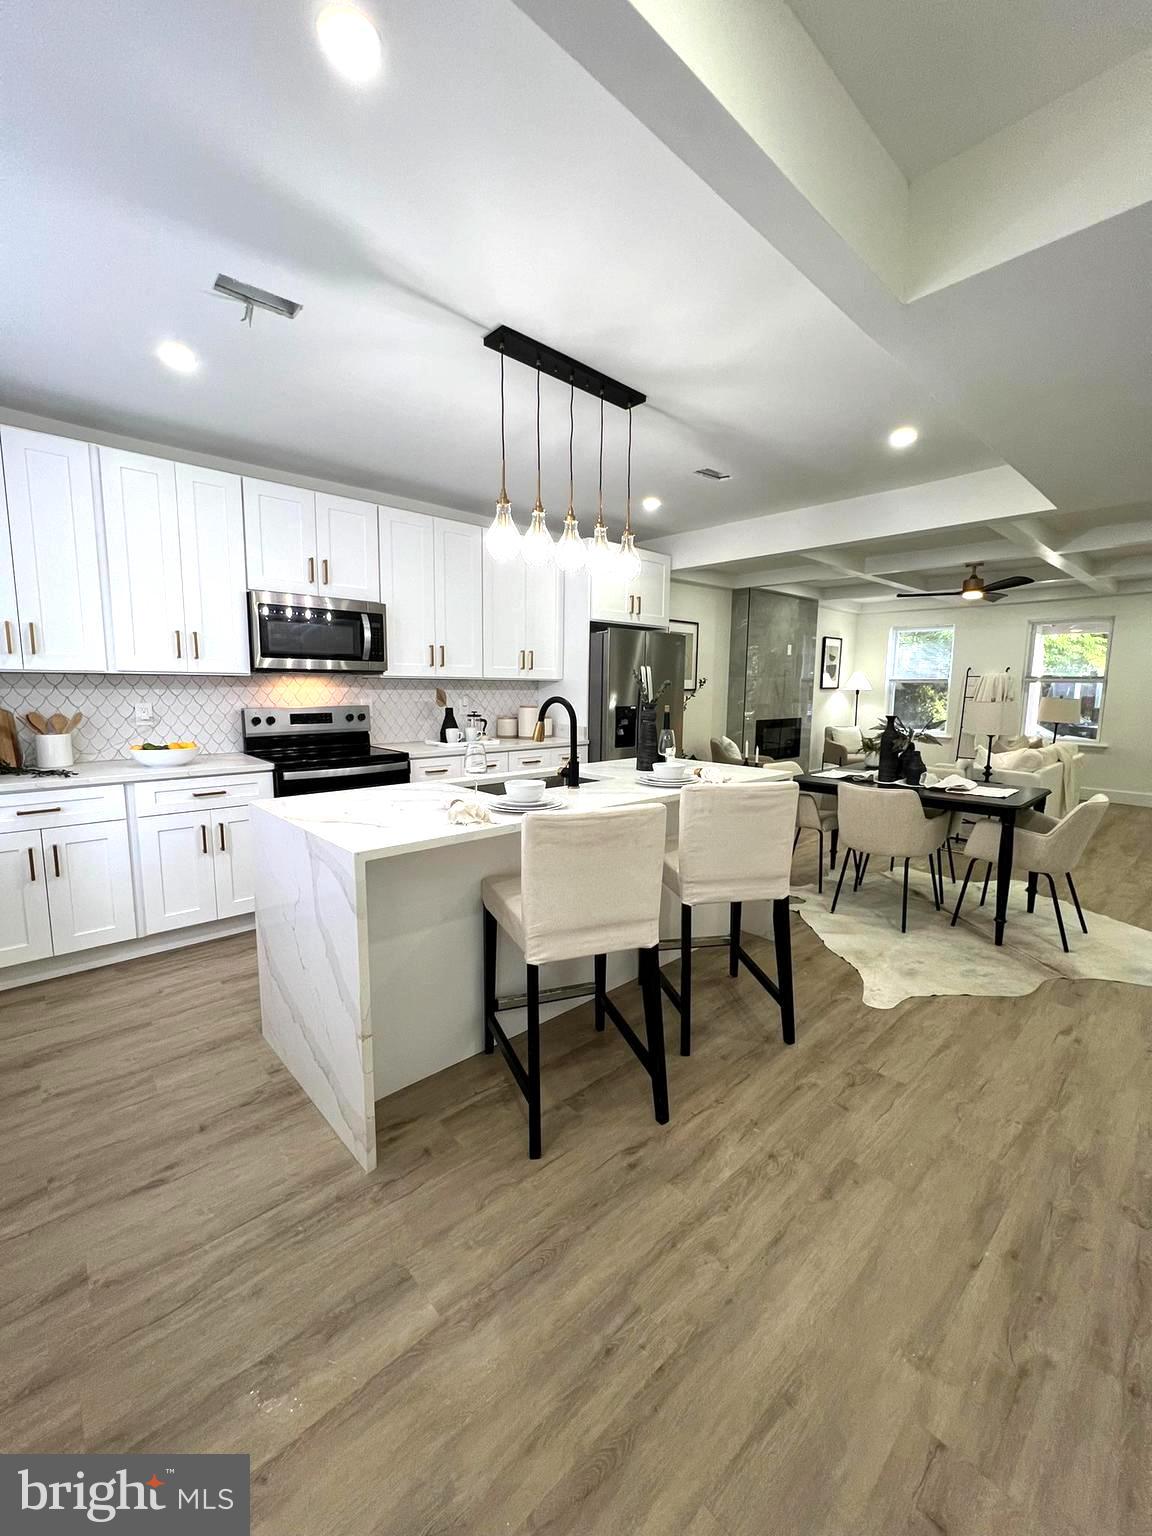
(646, 753)
(448, 724)
(892, 742)
(911, 764)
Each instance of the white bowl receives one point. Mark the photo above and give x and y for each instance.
(163, 757)
(671, 771)
(524, 791)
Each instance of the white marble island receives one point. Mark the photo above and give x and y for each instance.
(369, 935)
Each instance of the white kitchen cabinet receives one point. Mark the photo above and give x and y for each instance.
(89, 878)
(212, 565)
(142, 534)
(232, 862)
(437, 768)
(432, 582)
(52, 519)
(176, 867)
(611, 601)
(644, 602)
(11, 649)
(25, 927)
(459, 599)
(347, 548)
(280, 536)
(523, 620)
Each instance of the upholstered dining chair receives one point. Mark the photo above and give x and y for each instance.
(1043, 845)
(893, 824)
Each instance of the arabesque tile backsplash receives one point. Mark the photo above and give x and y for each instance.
(207, 709)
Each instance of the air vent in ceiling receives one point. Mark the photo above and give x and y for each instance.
(255, 298)
(713, 474)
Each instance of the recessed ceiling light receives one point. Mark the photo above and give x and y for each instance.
(178, 357)
(651, 503)
(350, 42)
(902, 437)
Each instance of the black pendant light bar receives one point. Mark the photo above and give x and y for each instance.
(535, 354)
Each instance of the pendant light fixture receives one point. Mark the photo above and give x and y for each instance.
(502, 537)
(602, 553)
(629, 566)
(538, 547)
(570, 552)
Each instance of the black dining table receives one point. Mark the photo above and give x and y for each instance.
(1002, 808)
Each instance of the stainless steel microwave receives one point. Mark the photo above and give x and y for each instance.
(296, 632)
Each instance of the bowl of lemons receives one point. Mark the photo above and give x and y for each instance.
(164, 754)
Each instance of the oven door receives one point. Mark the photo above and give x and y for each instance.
(296, 632)
(322, 781)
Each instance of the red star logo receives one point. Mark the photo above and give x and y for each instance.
(154, 1482)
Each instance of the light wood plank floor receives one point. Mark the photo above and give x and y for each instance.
(897, 1280)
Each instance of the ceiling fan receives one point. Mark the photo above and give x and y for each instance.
(976, 589)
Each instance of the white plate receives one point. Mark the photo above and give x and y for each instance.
(501, 803)
(659, 783)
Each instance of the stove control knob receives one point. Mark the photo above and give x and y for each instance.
(352, 717)
(360, 716)
(255, 719)
(269, 719)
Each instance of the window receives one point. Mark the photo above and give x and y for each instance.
(919, 676)
(1068, 661)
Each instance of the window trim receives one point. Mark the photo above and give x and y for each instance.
(1102, 624)
(890, 680)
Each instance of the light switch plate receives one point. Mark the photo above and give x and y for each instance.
(144, 712)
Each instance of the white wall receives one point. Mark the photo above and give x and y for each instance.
(834, 706)
(988, 639)
(711, 608)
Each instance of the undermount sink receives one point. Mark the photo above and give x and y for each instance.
(553, 781)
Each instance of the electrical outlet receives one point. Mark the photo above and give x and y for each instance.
(145, 714)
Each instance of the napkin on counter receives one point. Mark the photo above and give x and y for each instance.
(709, 775)
(468, 813)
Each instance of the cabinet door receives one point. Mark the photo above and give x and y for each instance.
(142, 533)
(348, 548)
(11, 650)
(232, 862)
(459, 599)
(408, 584)
(89, 886)
(211, 512)
(611, 599)
(653, 588)
(505, 635)
(25, 931)
(52, 516)
(544, 628)
(177, 881)
(280, 537)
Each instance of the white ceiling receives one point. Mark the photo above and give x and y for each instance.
(934, 77)
(485, 179)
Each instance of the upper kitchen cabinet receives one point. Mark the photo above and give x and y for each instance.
(176, 579)
(643, 602)
(52, 519)
(11, 648)
(310, 542)
(431, 580)
(523, 620)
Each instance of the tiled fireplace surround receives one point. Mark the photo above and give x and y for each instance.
(207, 709)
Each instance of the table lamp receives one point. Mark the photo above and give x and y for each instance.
(1057, 711)
(991, 718)
(857, 684)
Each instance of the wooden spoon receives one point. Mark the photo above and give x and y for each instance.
(59, 723)
(75, 721)
(38, 723)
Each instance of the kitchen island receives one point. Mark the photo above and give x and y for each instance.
(369, 934)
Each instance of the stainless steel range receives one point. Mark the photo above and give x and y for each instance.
(317, 750)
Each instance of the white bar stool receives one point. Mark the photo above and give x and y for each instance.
(588, 884)
(735, 846)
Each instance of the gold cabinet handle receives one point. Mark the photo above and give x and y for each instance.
(223, 843)
(429, 772)
(56, 860)
(179, 647)
(442, 654)
(324, 571)
(530, 762)
(207, 794)
(203, 837)
(639, 606)
(521, 661)
(311, 568)
(195, 646)
(531, 661)
(41, 810)
(32, 865)
(8, 637)
(431, 655)
(32, 636)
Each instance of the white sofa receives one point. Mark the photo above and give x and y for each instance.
(1056, 768)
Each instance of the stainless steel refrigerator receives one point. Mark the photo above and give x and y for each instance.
(617, 652)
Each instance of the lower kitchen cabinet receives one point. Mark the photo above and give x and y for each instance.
(194, 867)
(232, 863)
(25, 927)
(88, 873)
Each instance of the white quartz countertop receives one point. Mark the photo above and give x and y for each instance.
(125, 770)
(387, 822)
(492, 743)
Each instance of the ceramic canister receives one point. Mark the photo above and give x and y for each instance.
(506, 725)
(526, 719)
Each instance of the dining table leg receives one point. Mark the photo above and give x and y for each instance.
(1004, 872)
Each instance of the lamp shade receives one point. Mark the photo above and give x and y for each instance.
(857, 683)
(1054, 710)
(991, 717)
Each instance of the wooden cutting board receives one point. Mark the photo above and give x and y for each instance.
(9, 741)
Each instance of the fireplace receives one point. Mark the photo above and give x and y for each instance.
(778, 739)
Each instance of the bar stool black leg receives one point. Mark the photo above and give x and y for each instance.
(600, 986)
(490, 932)
(533, 1072)
(654, 1029)
(963, 891)
(835, 848)
(904, 902)
(1076, 901)
(685, 981)
(844, 862)
(1059, 914)
(951, 862)
(984, 888)
(782, 938)
(734, 940)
